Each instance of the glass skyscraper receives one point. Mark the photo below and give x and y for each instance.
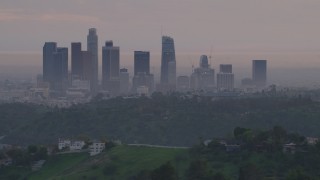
(92, 45)
(259, 73)
(110, 67)
(168, 55)
(141, 62)
(55, 67)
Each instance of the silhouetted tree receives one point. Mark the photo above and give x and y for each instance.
(197, 170)
(164, 172)
(249, 172)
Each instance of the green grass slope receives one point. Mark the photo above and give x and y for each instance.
(119, 163)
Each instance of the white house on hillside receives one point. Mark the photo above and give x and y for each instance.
(96, 148)
(72, 145)
(76, 145)
(64, 143)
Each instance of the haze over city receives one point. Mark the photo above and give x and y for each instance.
(283, 32)
(160, 89)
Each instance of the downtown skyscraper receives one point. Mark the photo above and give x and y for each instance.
(202, 77)
(82, 65)
(259, 73)
(111, 68)
(225, 78)
(49, 49)
(55, 67)
(92, 47)
(141, 62)
(76, 61)
(142, 77)
(168, 63)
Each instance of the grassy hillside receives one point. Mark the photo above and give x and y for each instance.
(124, 161)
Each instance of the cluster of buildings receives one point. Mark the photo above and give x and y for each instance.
(83, 81)
(68, 145)
(204, 78)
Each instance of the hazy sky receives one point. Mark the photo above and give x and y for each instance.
(196, 25)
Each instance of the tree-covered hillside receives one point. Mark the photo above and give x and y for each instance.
(163, 120)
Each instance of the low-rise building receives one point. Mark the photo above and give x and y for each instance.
(64, 143)
(77, 145)
(72, 145)
(312, 140)
(289, 148)
(6, 162)
(96, 148)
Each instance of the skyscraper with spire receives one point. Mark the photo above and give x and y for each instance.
(92, 47)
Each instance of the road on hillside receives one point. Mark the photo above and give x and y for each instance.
(158, 146)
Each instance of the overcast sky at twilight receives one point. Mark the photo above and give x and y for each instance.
(196, 25)
(285, 32)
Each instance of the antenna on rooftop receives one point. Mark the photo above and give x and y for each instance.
(210, 56)
(192, 64)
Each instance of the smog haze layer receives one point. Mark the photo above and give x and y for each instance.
(286, 33)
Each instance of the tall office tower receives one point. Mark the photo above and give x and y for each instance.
(172, 76)
(203, 77)
(183, 83)
(259, 73)
(225, 68)
(167, 55)
(204, 63)
(55, 67)
(87, 68)
(225, 78)
(124, 81)
(110, 68)
(82, 66)
(92, 46)
(76, 61)
(62, 58)
(142, 76)
(49, 49)
(61, 69)
(141, 62)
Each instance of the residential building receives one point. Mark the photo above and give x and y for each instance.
(64, 143)
(77, 145)
(71, 145)
(96, 148)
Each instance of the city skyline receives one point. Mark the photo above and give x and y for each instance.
(115, 80)
(227, 31)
